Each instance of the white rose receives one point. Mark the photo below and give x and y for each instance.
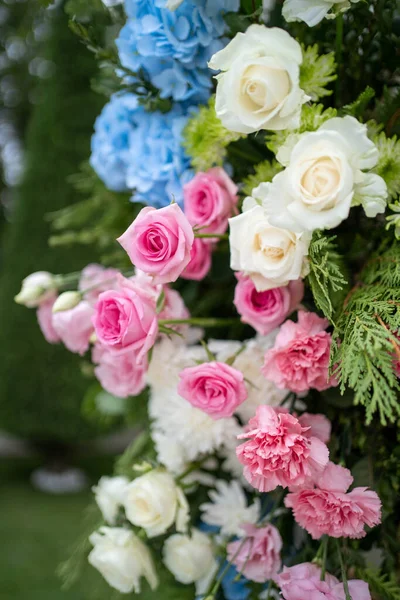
(271, 256)
(191, 559)
(36, 288)
(154, 502)
(122, 559)
(109, 494)
(313, 11)
(258, 87)
(323, 174)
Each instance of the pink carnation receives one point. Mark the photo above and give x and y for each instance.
(266, 310)
(280, 451)
(97, 277)
(330, 509)
(119, 374)
(209, 200)
(126, 318)
(214, 387)
(299, 361)
(44, 315)
(319, 426)
(74, 327)
(258, 558)
(200, 261)
(159, 242)
(303, 582)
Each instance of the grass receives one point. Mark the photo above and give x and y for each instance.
(37, 532)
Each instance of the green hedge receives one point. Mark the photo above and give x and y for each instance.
(41, 388)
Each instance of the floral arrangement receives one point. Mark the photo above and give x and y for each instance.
(256, 351)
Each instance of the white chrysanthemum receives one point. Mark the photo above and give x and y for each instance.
(228, 508)
(195, 432)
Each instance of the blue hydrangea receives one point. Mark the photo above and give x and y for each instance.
(137, 150)
(173, 47)
(235, 589)
(110, 141)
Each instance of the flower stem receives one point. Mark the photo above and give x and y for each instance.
(338, 53)
(325, 542)
(343, 569)
(219, 236)
(199, 322)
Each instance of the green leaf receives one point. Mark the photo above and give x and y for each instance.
(168, 588)
(264, 172)
(160, 302)
(317, 72)
(140, 449)
(357, 108)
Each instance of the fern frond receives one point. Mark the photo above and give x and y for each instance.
(388, 166)
(381, 585)
(264, 172)
(357, 108)
(317, 72)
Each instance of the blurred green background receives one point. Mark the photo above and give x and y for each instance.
(47, 111)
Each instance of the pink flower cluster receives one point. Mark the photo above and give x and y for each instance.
(214, 387)
(328, 508)
(258, 556)
(299, 361)
(266, 310)
(303, 582)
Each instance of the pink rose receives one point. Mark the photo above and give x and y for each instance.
(258, 558)
(266, 310)
(159, 242)
(303, 582)
(44, 315)
(99, 278)
(209, 200)
(214, 387)
(299, 361)
(74, 327)
(126, 318)
(119, 374)
(200, 260)
(330, 509)
(279, 451)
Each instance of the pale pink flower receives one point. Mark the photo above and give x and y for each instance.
(209, 200)
(303, 582)
(200, 260)
(214, 387)
(126, 318)
(266, 310)
(299, 361)
(259, 557)
(279, 451)
(99, 278)
(319, 426)
(119, 374)
(44, 315)
(174, 306)
(159, 242)
(330, 509)
(74, 327)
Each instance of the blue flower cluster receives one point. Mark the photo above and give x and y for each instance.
(136, 150)
(173, 47)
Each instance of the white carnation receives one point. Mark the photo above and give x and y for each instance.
(258, 87)
(109, 494)
(323, 178)
(228, 508)
(122, 559)
(270, 255)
